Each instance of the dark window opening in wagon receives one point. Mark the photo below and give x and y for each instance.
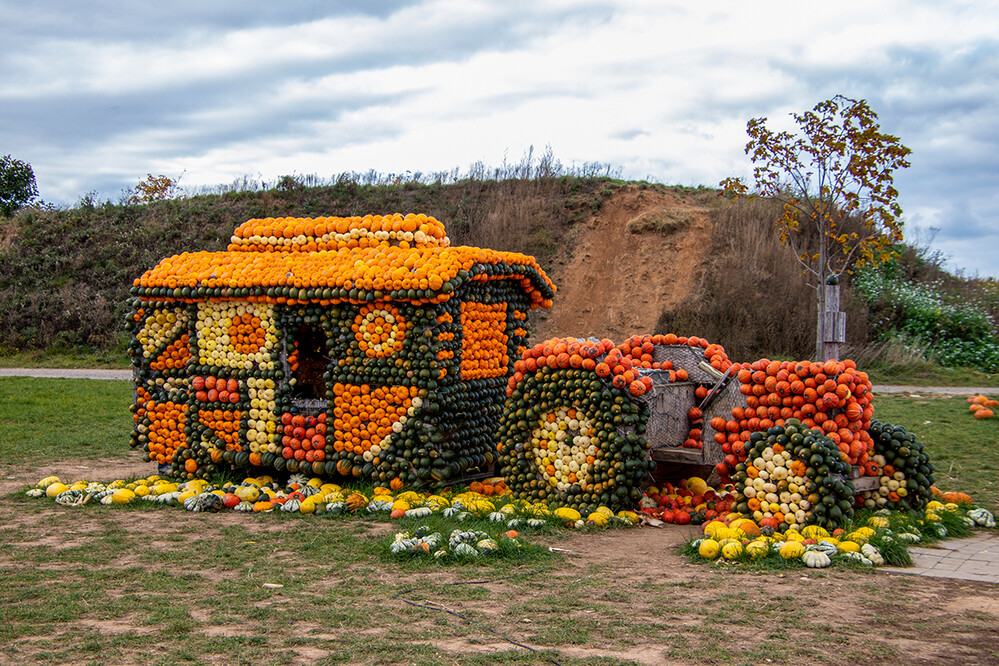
(307, 363)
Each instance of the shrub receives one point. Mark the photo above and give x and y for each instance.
(950, 325)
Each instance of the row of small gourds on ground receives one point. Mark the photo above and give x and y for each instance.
(874, 540)
(725, 536)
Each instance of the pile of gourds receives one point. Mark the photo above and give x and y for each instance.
(903, 467)
(833, 396)
(873, 540)
(793, 477)
(314, 495)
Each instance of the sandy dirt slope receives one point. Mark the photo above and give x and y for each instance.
(614, 283)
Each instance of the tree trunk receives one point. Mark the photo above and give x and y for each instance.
(820, 321)
(820, 302)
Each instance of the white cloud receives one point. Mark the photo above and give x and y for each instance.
(660, 89)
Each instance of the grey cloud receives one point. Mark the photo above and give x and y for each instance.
(629, 135)
(125, 21)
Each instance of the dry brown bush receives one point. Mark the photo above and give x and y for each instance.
(755, 298)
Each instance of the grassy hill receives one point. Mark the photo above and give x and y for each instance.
(65, 274)
(627, 258)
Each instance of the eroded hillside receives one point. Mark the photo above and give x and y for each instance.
(613, 282)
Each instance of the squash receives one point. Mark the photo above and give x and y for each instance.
(757, 549)
(709, 549)
(204, 503)
(791, 550)
(46, 482)
(71, 498)
(380, 505)
(849, 547)
(597, 518)
(356, 501)
(873, 554)
(857, 557)
(827, 547)
(982, 517)
(120, 496)
(54, 489)
(733, 550)
(814, 532)
(487, 546)
(308, 490)
(815, 559)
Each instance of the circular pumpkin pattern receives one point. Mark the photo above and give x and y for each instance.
(565, 452)
(570, 437)
(792, 477)
(379, 330)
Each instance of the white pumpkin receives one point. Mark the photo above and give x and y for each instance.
(815, 559)
(872, 554)
(982, 517)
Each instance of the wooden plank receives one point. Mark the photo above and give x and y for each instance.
(710, 369)
(835, 326)
(723, 379)
(679, 455)
(866, 483)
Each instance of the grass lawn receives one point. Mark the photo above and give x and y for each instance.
(159, 585)
(964, 450)
(44, 420)
(114, 359)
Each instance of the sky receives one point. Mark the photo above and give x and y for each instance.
(96, 95)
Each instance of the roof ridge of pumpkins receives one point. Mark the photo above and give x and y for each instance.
(374, 257)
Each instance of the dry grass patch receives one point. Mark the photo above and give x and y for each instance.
(662, 221)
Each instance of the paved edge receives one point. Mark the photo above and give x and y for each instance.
(974, 558)
(83, 373)
(67, 373)
(938, 390)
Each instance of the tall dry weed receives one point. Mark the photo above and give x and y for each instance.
(754, 297)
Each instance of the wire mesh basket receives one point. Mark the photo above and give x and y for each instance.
(686, 357)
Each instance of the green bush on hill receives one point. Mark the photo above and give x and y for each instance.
(947, 320)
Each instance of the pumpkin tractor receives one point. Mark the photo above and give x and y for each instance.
(368, 347)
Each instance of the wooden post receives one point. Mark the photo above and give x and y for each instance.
(831, 324)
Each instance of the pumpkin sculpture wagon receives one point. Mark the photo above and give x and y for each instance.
(367, 347)
(364, 347)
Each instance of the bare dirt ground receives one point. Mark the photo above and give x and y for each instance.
(596, 297)
(638, 599)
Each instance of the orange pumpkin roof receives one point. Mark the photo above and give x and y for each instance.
(392, 254)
